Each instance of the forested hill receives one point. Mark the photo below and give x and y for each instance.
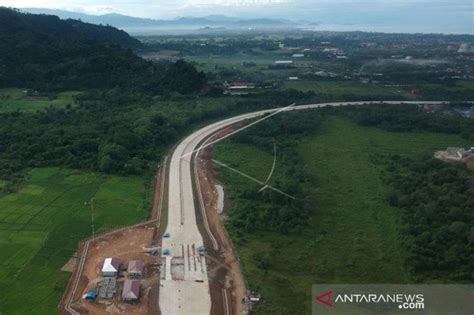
(44, 52)
(16, 22)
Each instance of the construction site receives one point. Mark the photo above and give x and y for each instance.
(118, 272)
(102, 282)
(190, 265)
(100, 290)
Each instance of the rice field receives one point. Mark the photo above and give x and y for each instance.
(41, 224)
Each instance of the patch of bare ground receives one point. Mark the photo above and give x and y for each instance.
(226, 278)
(70, 264)
(449, 157)
(129, 244)
(470, 163)
(132, 243)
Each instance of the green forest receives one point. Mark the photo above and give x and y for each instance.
(124, 112)
(437, 201)
(45, 53)
(117, 119)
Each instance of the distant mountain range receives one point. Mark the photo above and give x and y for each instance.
(127, 22)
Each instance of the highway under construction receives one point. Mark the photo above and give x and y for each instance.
(185, 287)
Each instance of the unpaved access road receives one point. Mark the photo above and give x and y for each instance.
(185, 287)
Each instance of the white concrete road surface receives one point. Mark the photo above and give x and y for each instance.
(185, 289)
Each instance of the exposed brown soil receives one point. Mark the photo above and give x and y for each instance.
(224, 267)
(470, 164)
(226, 278)
(132, 243)
(452, 158)
(128, 244)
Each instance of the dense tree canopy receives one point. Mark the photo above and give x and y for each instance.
(17, 23)
(438, 202)
(45, 53)
(409, 118)
(105, 132)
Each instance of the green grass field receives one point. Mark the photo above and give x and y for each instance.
(340, 88)
(352, 234)
(257, 73)
(41, 224)
(15, 99)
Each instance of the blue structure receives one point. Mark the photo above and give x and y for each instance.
(201, 249)
(166, 235)
(166, 251)
(91, 295)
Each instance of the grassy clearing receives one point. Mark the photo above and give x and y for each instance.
(258, 73)
(340, 88)
(41, 224)
(353, 233)
(16, 99)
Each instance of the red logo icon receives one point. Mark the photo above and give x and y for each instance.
(325, 298)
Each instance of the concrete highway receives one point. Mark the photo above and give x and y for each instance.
(185, 285)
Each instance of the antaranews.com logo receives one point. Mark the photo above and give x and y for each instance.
(404, 301)
(393, 299)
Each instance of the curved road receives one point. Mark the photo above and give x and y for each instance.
(185, 286)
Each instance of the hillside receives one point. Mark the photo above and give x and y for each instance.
(17, 22)
(46, 53)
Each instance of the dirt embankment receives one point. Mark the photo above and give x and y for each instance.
(225, 270)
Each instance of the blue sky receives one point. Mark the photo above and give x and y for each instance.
(430, 14)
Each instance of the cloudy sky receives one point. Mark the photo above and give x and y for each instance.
(433, 14)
